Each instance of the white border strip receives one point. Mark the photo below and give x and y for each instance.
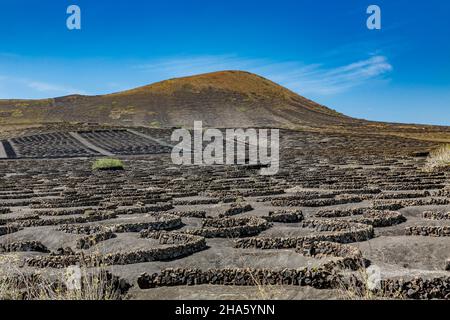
(149, 138)
(89, 145)
(3, 154)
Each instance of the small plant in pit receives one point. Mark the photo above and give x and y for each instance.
(108, 164)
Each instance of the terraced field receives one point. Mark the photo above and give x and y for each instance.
(82, 144)
(343, 205)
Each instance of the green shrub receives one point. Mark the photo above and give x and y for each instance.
(107, 164)
(155, 124)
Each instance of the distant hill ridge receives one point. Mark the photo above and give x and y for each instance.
(219, 99)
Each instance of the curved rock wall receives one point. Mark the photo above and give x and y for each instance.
(164, 222)
(93, 239)
(182, 245)
(429, 231)
(418, 288)
(285, 216)
(230, 227)
(235, 209)
(23, 246)
(432, 215)
(380, 219)
(359, 232)
(318, 278)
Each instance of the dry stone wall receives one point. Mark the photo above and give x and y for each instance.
(230, 227)
(340, 232)
(319, 278)
(182, 245)
(429, 231)
(380, 219)
(236, 209)
(285, 216)
(432, 215)
(23, 246)
(418, 288)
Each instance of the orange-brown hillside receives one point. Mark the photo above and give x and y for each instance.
(220, 99)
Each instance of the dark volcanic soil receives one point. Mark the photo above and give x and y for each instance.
(340, 183)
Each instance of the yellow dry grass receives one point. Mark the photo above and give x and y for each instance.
(439, 159)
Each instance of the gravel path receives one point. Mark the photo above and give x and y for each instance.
(3, 154)
(149, 137)
(90, 145)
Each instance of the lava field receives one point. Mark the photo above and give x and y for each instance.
(341, 204)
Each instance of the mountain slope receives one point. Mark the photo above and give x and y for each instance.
(220, 99)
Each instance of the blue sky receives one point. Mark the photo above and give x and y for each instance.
(320, 49)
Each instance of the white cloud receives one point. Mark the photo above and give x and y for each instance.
(11, 86)
(51, 88)
(303, 78)
(9, 55)
(185, 66)
(314, 79)
(322, 80)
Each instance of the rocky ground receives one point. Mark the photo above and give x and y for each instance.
(341, 204)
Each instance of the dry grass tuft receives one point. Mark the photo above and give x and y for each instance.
(72, 283)
(439, 159)
(90, 286)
